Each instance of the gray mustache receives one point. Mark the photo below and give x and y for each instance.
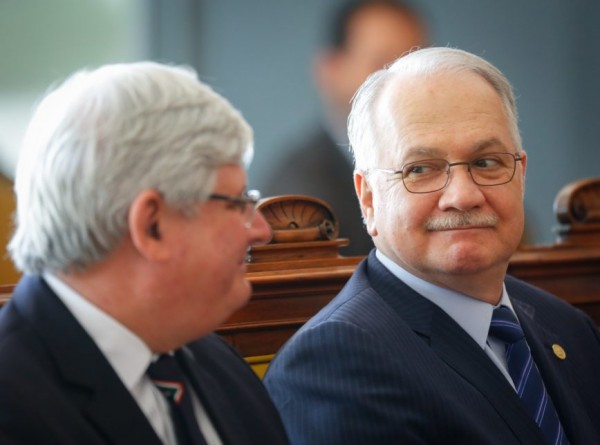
(461, 220)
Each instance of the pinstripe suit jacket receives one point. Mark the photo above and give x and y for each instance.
(383, 365)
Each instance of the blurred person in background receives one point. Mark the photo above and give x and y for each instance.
(363, 36)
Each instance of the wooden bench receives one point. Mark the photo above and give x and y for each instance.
(5, 293)
(301, 269)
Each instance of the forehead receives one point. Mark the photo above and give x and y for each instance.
(445, 114)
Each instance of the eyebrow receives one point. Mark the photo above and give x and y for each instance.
(435, 152)
(486, 143)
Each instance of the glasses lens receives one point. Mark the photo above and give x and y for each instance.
(493, 169)
(252, 198)
(425, 176)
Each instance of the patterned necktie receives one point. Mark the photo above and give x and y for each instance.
(168, 377)
(525, 375)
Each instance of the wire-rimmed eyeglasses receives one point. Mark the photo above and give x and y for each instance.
(245, 203)
(431, 175)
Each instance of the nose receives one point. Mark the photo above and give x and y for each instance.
(260, 230)
(461, 193)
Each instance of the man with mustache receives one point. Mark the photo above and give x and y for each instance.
(430, 341)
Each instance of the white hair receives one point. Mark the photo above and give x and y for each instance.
(100, 139)
(366, 126)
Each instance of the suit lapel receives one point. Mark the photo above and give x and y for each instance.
(218, 407)
(89, 380)
(557, 374)
(456, 348)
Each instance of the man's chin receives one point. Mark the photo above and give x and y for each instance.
(243, 293)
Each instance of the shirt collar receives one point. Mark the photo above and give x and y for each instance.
(473, 315)
(126, 352)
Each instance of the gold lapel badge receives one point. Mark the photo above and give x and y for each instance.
(559, 351)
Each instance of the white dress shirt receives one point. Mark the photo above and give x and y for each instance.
(471, 314)
(130, 357)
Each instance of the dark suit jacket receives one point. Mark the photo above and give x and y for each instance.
(383, 365)
(317, 167)
(56, 387)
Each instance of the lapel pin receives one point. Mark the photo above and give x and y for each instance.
(559, 351)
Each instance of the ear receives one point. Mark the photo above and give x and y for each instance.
(524, 162)
(365, 198)
(146, 218)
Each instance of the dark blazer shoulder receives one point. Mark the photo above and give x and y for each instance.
(46, 356)
(233, 395)
(570, 376)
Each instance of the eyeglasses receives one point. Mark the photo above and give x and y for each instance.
(246, 203)
(431, 175)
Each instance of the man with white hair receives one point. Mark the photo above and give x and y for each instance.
(430, 342)
(132, 228)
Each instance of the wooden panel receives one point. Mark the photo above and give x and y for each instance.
(301, 270)
(5, 293)
(572, 274)
(281, 302)
(8, 273)
(294, 278)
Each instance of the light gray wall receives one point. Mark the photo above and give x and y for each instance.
(42, 42)
(258, 53)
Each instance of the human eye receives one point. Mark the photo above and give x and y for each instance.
(420, 169)
(242, 204)
(236, 203)
(488, 162)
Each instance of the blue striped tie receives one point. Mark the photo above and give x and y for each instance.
(525, 375)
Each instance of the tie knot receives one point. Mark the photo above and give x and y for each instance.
(168, 377)
(505, 326)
